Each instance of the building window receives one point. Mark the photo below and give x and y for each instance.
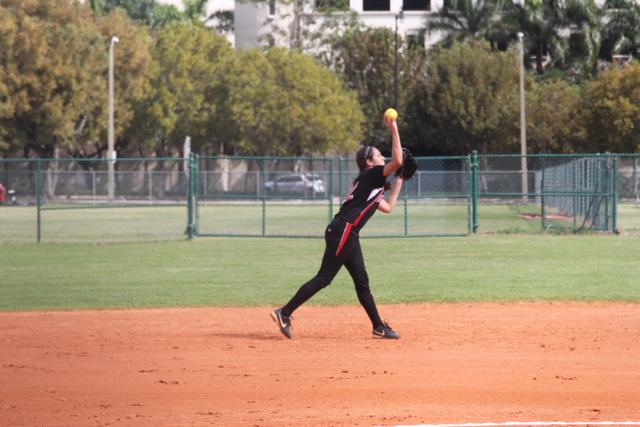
(373, 5)
(332, 5)
(272, 7)
(420, 5)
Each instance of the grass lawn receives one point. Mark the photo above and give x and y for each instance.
(162, 223)
(267, 271)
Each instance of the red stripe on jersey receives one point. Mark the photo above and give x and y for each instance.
(349, 226)
(376, 200)
(343, 239)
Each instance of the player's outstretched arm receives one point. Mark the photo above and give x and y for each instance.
(396, 147)
(387, 205)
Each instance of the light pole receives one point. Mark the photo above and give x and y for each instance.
(399, 15)
(523, 125)
(110, 149)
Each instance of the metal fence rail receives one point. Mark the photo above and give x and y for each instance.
(57, 200)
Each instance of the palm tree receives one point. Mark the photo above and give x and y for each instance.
(196, 9)
(620, 28)
(141, 10)
(462, 20)
(582, 18)
(541, 23)
(559, 30)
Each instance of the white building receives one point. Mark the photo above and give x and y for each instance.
(255, 22)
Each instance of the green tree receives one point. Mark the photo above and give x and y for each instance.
(139, 10)
(546, 23)
(164, 14)
(285, 103)
(582, 17)
(155, 14)
(52, 56)
(462, 20)
(611, 107)
(554, 123)
(7, 30)
(620, 28)
(467, 99)
(365, 58)
(186, 93)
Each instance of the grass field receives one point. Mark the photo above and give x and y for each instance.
(267, 271)
(162, 223)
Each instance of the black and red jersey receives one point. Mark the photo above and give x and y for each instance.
(363, 199)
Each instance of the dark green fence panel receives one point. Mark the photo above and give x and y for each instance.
(435, 202)
(263, 196)
(68, 200)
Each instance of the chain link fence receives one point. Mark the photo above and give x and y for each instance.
(263, 196)
(435, 202)
(561, 193)
(149, 199)
(80, 200)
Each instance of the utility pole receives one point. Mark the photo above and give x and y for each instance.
(399, 15)
(523, 126)
(111, 156)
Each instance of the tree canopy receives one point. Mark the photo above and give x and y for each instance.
(52, 65)
(284, 102)
(468, 100)
(185, 94)
(182, 78)
(611, 108)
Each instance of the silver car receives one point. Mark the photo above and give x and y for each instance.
(308, 184)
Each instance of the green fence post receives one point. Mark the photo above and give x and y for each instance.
(575, 200)
(406, 217)
(196, 192)
(605, 178)
(330, 189)
(474, 189)
(190, 197)
(340, 183)
(469, 192)
(614, 201)
(542, 201)
(264, 197)
(39, 199)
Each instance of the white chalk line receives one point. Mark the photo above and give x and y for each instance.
(531, 423)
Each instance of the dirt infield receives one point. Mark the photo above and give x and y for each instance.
(230, 366)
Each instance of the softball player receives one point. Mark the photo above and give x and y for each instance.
(341, 235)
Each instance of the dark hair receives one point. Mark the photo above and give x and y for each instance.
(365, 153)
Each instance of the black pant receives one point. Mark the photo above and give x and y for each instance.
(341, 248)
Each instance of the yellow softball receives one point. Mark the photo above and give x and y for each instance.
(391, 114)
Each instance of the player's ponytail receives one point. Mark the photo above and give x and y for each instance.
(363, 154)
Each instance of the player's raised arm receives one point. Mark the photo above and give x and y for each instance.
(390, 117)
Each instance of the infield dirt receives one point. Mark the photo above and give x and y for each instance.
(231, 367)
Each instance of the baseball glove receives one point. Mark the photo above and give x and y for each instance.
(409, 165)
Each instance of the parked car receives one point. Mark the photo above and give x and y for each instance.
(307, 184)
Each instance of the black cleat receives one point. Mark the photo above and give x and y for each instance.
(284, 322)
(385, 331)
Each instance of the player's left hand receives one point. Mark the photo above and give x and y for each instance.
(409, 165)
